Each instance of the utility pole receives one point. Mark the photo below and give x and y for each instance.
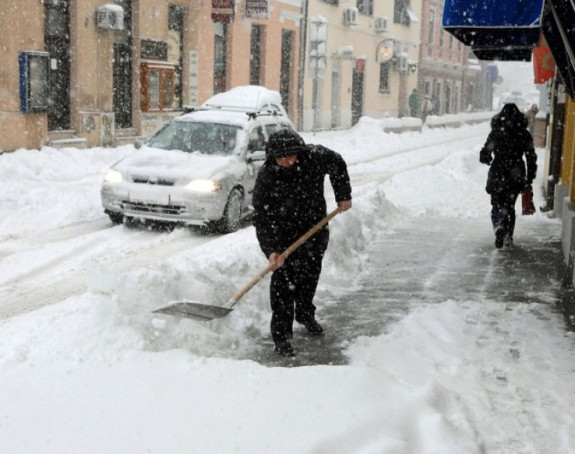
(318, 61)
(301, 73)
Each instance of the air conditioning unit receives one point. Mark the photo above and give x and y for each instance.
(381, 24)
(402, 63)
(350, 16)
(110, 17)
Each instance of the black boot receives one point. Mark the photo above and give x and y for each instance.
(499, 236)
(508, 240)
(284, 348)
(313, 327)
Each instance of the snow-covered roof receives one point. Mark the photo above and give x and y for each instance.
(237, 118)
(249, 98)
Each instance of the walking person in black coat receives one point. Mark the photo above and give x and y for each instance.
(289, 200)
(509, 174)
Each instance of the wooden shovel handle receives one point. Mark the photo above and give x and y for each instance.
(283, 255)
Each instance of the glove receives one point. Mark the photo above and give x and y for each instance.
(484, 158)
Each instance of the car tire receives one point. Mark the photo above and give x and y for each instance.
(116, 218)
(230, 221)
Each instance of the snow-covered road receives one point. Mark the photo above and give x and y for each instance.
(441, 344)
(46, 263)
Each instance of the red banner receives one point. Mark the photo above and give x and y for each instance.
(223, 11)
(543, 63)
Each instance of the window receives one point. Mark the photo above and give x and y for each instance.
(256, 50)
(257, 140)
(192, 136)
(157, 87)
(176, 26)
(365, 7)
(331, 2)
(34, 85)
(384, 77)
(220, 56)
(286, 66)
(403, 14)
(431, 30)
(400, 15)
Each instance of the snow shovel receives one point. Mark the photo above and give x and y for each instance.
(206, 312)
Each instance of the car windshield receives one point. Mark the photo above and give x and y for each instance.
(191, 136)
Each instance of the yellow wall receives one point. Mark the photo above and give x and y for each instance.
(568, 164)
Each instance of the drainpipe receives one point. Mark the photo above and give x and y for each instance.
(301, 73)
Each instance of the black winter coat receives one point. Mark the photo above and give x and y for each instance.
(288, 202)
(507, 143)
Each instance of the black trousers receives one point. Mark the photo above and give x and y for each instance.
(503, 211)
(293, 286)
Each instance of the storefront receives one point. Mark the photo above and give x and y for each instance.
(531, 30)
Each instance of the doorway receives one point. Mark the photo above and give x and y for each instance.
(356, 96)
(335, 88)
(220, 57)
(286, 67)
(122, 70)
(57, 41)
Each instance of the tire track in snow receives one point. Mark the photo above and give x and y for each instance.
(65, 276)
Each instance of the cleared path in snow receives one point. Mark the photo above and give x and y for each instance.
(433, 262)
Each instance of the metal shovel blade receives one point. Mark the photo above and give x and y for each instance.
(193, 310)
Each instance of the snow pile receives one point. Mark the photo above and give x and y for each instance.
(98, 373)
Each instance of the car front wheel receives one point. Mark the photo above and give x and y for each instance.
(116, 218)
(232, 214)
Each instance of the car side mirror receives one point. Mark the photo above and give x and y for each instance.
(259, 155)
(138, 144)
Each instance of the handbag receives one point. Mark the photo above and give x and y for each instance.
(527, 201)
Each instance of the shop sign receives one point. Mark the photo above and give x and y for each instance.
(257, 9)
(223, 11)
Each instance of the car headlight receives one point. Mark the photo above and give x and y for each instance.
(203, 186)
(112, 176)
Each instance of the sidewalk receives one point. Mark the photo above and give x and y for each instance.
(429, 261)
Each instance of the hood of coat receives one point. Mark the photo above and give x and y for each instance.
(509, 119)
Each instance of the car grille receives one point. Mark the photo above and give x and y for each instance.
(153, 208)
(152, 180)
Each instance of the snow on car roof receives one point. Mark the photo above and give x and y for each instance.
(216, 116)
(247, 98)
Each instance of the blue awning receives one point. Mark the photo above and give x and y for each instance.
(490, 24)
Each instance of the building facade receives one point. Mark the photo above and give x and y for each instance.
(92, 72)
(362, 60)
(105, 72)
(448, 73)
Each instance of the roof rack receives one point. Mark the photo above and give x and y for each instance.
(267, 109)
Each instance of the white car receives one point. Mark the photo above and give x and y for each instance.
(200, 168)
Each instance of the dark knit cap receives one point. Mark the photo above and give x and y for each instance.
(284, 142)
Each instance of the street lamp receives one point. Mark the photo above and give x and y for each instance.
(385, 50)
